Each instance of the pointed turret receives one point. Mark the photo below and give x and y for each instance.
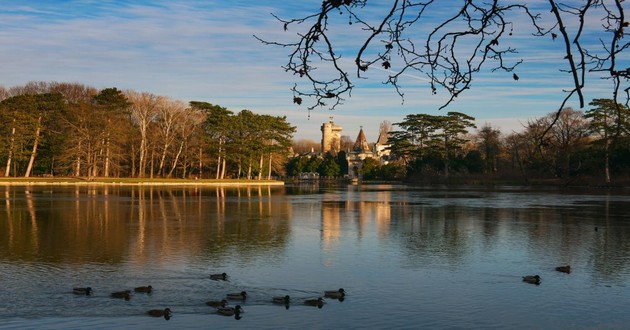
(361, 144)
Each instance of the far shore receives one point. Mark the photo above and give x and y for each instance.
(134, 182)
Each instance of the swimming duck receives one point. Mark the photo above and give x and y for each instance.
(237, 296)
(335, 294)
(122, 294)
(564, 269)
(319, 302)
(532, 279)
(217, 303)
(229, 311)
(282, 300)
(145, 289)
(82, 291)
(166, 313)
(219, 277)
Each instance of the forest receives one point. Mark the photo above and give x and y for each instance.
(69, 129)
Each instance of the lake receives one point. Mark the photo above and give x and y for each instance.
(408, 257)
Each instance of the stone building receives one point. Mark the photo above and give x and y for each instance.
(360, 151)
(331, 137)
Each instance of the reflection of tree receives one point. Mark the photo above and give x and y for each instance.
(548, 237)
(432, 234)
(142, 224)
(361, 212)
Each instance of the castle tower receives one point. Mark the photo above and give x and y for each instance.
(361, 145)
(331, 137)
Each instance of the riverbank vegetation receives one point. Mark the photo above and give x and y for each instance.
(73, 130)
(69, 130)
(582, 148)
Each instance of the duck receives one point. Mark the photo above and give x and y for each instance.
(282, 300)
(121, 294)
(165, 313)
(237, 296)
(564, 269)
(338, 294)
(217, 303)
(144, 289)
(82, 291)
(532, 279)
(229, 311)
(319, 302)
(218, 277)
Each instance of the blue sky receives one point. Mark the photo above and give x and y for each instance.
(205, 51)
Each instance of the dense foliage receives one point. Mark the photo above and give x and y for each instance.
(64, 129)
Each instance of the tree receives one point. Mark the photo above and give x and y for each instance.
(453, 126)
(143, 113)
(113, 106)
(30, 116)
(610, 121)
(465, 39)
(216, 128)
(427, 139)
(489, 146)
(566, 138)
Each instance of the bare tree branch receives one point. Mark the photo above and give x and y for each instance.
(470, 38)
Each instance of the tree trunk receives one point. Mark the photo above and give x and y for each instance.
(223, 168)
(107, 156)
(607, 158)
(11, 146)
(151, 165)
(179, 152)
(218, 167)
(77, 167)
(34, 151)
(133, 160)
(269, 172)
(160, 170)
(200, 163)
(260, 166)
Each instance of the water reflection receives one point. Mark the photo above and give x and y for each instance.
(423, 253)
(138, 224)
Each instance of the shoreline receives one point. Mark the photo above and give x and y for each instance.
(134, 182)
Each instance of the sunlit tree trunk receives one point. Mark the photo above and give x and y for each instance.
(218, 167)
(179, 152)
(107, 155)
(260, 166)
(34, 150)
(269, 172)
(151, 165)
(11, 146)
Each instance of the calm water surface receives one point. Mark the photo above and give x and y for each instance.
(408, 257)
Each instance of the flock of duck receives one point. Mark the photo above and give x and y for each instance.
(535, 279)
(222, 306)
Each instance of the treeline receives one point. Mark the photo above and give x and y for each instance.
(69, 129)
(591, 147)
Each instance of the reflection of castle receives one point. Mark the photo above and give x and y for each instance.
(361, 150)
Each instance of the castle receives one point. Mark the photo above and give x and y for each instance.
(361, 150)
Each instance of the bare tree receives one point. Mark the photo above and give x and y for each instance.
(464, 39)
(143, 112)
(169, 113)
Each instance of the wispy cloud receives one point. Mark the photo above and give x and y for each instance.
(194, 50)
